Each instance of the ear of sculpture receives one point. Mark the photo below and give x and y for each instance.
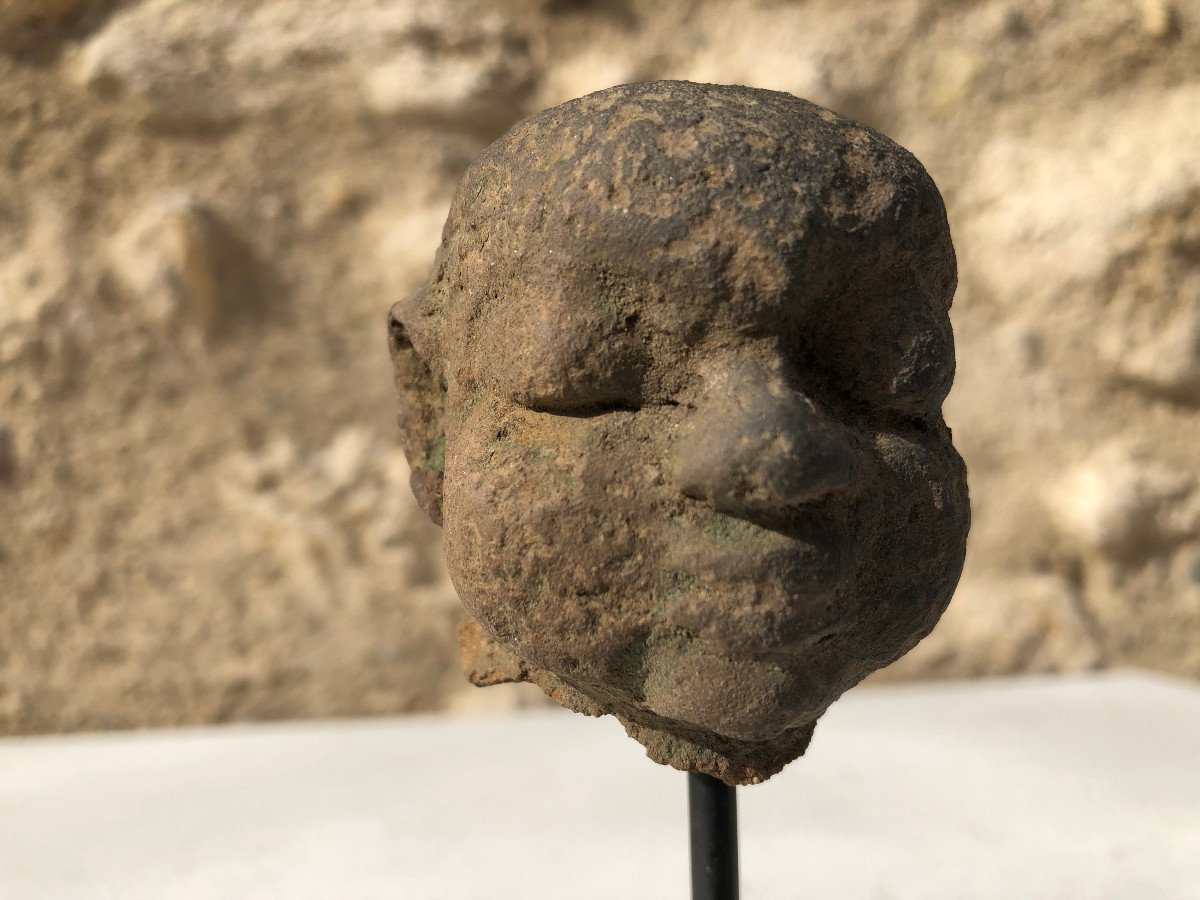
(421, 395)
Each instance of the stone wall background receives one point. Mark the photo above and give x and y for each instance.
(206, 209)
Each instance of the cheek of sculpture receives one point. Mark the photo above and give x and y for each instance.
(549, 581)
(915, 551)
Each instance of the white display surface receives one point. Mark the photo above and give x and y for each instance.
(1080, 789)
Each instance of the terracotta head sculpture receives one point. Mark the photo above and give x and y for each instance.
(673, 388)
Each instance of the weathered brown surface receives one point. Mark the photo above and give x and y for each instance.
(675, 385)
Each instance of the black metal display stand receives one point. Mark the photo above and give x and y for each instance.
(712, 815)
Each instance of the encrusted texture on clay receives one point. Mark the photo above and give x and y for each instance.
(674, 388)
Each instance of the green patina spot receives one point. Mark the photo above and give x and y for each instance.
(678, 585)
(435, 455)
(728, 529)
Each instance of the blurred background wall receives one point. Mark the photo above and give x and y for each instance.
(206, 209)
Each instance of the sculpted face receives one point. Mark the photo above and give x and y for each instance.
(674, 388)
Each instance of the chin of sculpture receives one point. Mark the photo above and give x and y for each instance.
(673, 389)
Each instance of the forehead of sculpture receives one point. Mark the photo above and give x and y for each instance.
(728, 194)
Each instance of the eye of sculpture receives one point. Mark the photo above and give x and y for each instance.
(674, 390)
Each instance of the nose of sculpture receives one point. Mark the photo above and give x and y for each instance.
(756, 445)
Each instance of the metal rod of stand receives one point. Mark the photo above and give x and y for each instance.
(712, 816)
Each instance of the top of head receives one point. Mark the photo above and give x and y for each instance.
(753, 201)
